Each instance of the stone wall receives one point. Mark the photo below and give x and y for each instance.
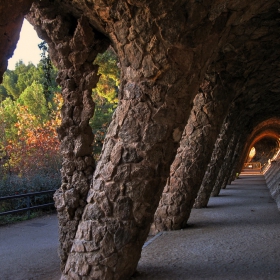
(272, 177)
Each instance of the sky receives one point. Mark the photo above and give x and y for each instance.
(27, 47)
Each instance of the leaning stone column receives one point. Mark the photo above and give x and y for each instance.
(161, 73)
(232, 165)
(215, 164)
(242, 158)
(224, 171)
(238, 161)
(196, 146)
(160, 76)
(73, 47)
(139, 147)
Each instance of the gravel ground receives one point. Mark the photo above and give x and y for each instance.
(28, 250)
(236, 237)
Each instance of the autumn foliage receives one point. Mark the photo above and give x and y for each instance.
(29, 146)
(36, 148)
(29, 116)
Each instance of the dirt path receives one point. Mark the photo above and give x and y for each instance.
(236, 237)
(28, 250)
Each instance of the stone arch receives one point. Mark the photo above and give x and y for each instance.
(266, 147)
(270, 126)
(234, 163)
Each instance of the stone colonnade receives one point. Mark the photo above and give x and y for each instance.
(192, 80)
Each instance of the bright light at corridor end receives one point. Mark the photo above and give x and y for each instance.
(252, 153)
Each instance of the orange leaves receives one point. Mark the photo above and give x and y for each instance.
(36, 147)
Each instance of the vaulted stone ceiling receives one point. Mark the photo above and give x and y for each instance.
(200, 81)
(268, 128)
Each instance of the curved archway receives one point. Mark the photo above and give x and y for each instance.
(269, 127)
(265, 146)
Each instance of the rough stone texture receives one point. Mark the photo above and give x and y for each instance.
(120, 203)
(73, 47)
(249, 110)
(241, 69)
(214, 165)
(225, 168)
(233, 164)
(272, 177)
(164, 50)
(188, 168)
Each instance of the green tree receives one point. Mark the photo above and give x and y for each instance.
(3, 93)
(109, 80)
(48, 70)
(10, 83)
(106, 92)
(16, 81)
(27, 74)
(104, 96)
(34, 99)
(8, 117)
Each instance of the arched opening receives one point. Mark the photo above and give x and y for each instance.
(30, 101)
(265, 149)
(22, 85)
(27, 47)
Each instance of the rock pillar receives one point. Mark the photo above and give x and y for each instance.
(186, 172)
(139, 147)
(237, 161)
(73, 47)
(162, 68)
(215, 164)
(224, 172)
(161, 73)
(232, 166)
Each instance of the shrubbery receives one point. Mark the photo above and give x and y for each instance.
(29, 116)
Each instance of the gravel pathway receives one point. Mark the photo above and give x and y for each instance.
(28, 250)
(236, 237)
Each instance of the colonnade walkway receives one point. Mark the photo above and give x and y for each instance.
(236, 237)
